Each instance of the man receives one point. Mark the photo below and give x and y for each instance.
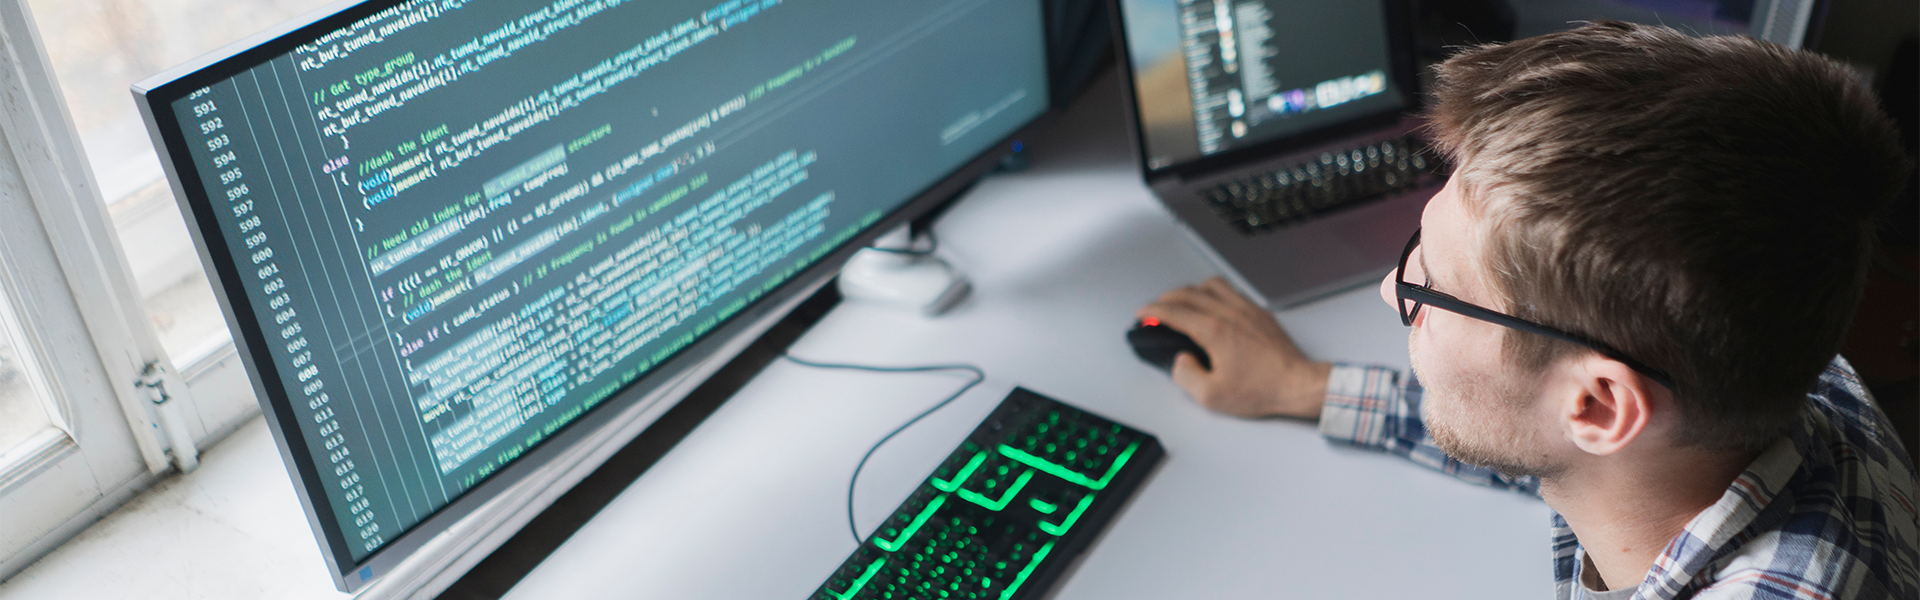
(1629, 299)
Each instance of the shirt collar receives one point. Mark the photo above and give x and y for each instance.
(1717, 527)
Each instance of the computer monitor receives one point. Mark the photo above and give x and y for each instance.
(1216, 76)
(453, 238)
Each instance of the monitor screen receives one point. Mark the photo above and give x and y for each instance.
(445, 230)
(1211, 76)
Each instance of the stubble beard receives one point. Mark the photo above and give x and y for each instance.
(1478, 420)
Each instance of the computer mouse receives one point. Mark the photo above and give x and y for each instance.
(1159, 344)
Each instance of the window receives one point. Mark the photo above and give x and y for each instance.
(23, 411)
(79, 437)
(99, 48)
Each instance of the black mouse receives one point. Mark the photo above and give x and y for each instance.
(1158, 344)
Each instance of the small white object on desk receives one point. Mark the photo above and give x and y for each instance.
(907, 279)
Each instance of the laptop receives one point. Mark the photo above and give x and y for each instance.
(1281, 135)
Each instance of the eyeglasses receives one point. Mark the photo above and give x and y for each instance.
(1414, 296)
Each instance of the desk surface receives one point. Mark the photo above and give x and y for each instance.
(753, 503)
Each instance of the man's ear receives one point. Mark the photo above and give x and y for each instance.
(1604, 404)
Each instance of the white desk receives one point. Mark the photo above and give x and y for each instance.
(752, 503)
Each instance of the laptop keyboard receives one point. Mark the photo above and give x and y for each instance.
(1331, 181)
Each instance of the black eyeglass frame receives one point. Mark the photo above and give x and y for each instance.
(1422, 295)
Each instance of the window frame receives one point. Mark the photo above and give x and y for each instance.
(63, 273)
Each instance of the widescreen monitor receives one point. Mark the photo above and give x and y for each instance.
(452, 237)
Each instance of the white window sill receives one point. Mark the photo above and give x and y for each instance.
(232, 529)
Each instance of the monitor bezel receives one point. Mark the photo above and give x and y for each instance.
(1401, 60)
(155, 96)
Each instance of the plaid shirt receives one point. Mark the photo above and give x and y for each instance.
(1826, 513)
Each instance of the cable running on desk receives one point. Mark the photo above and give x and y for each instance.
(978, 376)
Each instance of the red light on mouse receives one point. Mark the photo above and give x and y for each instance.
(1150, 322)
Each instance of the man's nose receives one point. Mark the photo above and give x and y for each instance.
(1387, 294)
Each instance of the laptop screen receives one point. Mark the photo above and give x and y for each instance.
(1212, 76)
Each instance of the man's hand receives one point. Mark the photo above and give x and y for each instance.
(1257, 371)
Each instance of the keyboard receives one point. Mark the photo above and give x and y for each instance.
(1330, 181)
(1006, 512)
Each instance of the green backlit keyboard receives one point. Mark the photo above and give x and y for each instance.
(1006, 512)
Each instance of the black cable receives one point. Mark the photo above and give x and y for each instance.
(933, 243)
(978, 376)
